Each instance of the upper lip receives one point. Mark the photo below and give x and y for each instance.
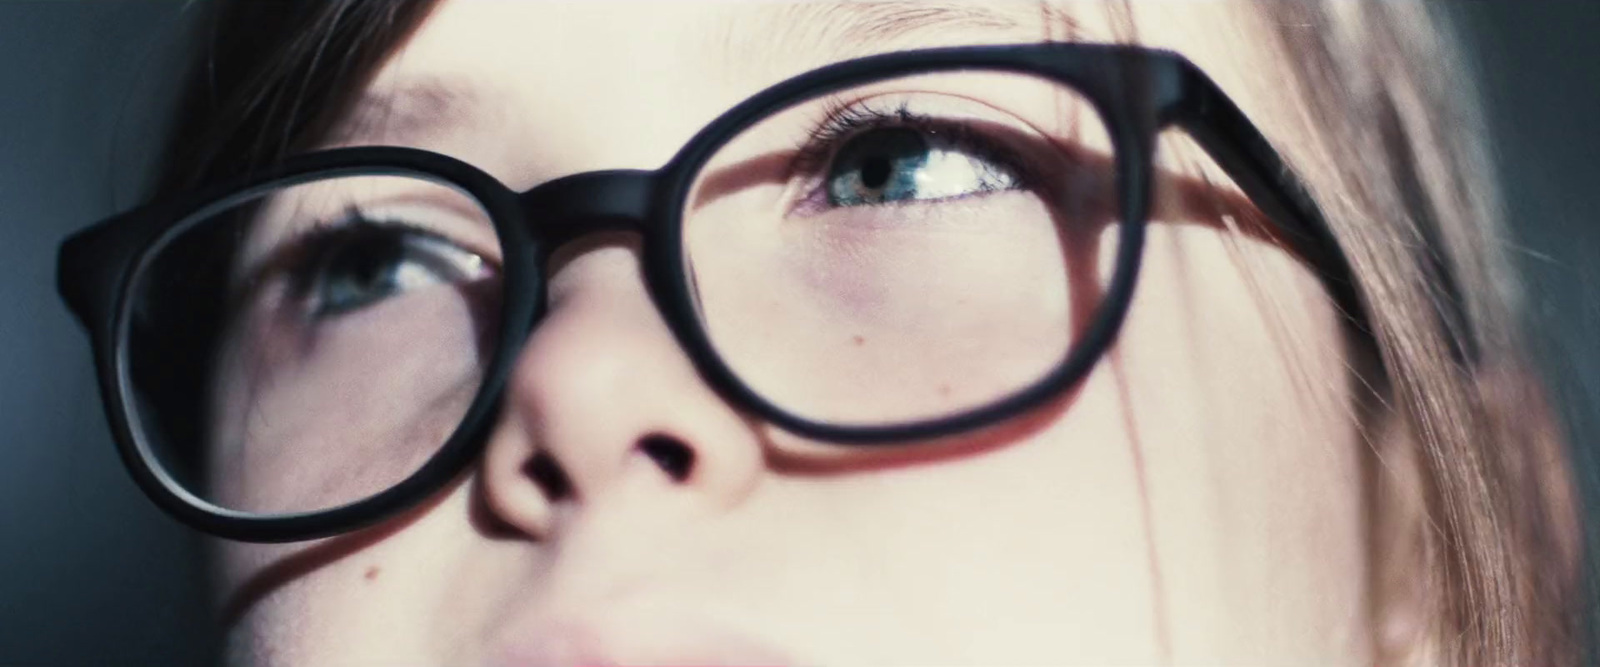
(635, 637)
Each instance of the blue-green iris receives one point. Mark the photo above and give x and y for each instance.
(905, 164)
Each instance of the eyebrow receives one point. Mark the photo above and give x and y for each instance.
(414, 107)
(844, 28)
(874, 22)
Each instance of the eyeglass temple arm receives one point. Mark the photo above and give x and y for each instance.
(92, 261)
(1227, 135)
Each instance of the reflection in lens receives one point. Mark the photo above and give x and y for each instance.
(308, 346)
(904, 250)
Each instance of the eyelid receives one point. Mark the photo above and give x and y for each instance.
(282, 218)
(439, 256)
(844, 121)
(321, 239)
(292, 253)
(452, 218)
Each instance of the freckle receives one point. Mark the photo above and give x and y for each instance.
(944, 390)
(858, 340)
(371, 573)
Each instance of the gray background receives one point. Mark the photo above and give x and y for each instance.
(91, 573)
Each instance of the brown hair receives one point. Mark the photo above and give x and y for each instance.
(274, 76)
(1501, 541)
(1393, 152)
(1480, 527)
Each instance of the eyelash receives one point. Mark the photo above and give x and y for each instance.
(844, 121)
(304, 255)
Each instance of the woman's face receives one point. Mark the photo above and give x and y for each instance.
(1198, 498)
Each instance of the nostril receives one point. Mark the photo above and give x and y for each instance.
(546, 473)
(674, 457)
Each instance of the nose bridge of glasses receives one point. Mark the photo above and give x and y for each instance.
(597, 201)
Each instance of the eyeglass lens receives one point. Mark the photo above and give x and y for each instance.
(905, 250)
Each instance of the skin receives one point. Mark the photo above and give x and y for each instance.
(1198, 498)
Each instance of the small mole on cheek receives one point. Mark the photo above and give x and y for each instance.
(858, 340)
(371, 574)
(944, 390)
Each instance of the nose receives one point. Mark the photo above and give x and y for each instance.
(601, 394)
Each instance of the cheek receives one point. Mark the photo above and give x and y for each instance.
(398, 594)
(1034, 552)
(884, 314)
(314, 418)
(1196, 500)
(1236, 396)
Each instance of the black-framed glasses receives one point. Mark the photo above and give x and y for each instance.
(891, 249)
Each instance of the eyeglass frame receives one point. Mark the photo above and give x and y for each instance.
(1137, 91)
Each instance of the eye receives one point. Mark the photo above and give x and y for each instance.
(372, 263)
(899, 164)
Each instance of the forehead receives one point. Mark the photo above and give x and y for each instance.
(603, 84)
(728, 39)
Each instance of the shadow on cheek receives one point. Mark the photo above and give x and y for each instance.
(314, 556)
(790, 454)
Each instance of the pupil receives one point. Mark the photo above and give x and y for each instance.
(370, 265)
(877, 166)
(875, 172)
